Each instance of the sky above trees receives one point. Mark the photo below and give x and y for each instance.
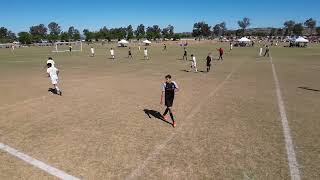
(19, 15)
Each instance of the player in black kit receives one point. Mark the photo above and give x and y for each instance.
(168, 90)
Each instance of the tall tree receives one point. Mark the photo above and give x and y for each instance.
(244, 24)
(140, 32)
(3, 32)
(25, 37)
(318, 30)
(168, 32)
(153, 32)
(38, 32)
(129, 32)
(89, 35)
(219, 29)
(71, 32)
(289, 27)
(201, 29)
(310, 24)
(298, 29)
(104, 33)
(54, 28)
(7, 35)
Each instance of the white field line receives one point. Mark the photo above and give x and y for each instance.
(292, 160)
(41, 165)
(139, 170)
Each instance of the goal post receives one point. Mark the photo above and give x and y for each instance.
(64, 46)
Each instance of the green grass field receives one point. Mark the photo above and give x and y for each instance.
(228, 120)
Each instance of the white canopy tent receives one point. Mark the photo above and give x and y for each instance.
(122, 43)
(147, 42)
(244, 39)
(301, 40)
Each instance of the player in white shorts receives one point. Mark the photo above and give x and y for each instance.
(92, 51)
(193, 63)
(53, 75)
(112, 53)
(146, 57)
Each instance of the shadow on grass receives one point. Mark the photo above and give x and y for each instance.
(309, 89)
(155, 114)
(53, 91)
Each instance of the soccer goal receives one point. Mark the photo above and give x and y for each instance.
(65, 46)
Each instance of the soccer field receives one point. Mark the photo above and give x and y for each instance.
(230, 121)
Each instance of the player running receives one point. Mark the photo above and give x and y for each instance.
(53, 75)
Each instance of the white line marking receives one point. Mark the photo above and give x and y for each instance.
(292, 161)
(41, 165)
(139, 170)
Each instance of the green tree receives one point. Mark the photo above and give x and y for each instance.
(25, 37)
(76, 35)
(54, 30)
(129, 32)
(3, 32)
(38, 32)
(279, 32)
(310, 24)
(201, 29)
(89, 35)
(6, 35)
(318, 30)
(153, 32)
(71, 32)
(140, 32)
(64, 36)
(219, 29)
(273, 32)
(289, 27)
(298, 29)
(168, 32)
(244, 24)
(104, 33)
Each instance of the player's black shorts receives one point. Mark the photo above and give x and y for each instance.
(169, 101)
(208, 64)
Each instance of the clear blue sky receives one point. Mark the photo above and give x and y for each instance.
(19, 15)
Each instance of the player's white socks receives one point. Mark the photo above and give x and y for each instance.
(57, 88)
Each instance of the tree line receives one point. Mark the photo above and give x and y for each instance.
(53, 32)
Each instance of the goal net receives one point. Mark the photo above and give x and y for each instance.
(65, 46)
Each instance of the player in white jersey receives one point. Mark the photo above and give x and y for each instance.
(92, 51)
(112, 53)
(53, 75)
(193, 63)
(145, 52)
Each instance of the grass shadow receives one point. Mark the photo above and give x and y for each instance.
(155, 114)
(309, 89)
(53, 91)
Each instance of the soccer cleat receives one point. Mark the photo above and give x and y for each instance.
(60, 93)
(165, 118)
(174, 124)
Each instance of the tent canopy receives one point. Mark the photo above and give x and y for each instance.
(123, 41)
(146, 42)
(244, 39)
(301, 40)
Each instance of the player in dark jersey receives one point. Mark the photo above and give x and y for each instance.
(185, 54)
(130, 54)
(209, 62)
(168, 90)
(164, 47)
